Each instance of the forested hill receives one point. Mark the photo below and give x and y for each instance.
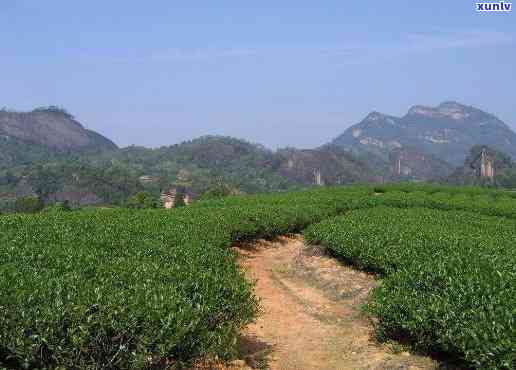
(110, 176)
(48, 153)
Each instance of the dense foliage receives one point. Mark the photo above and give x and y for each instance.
(450, 277)
(502, 164)
(28, 205)
(124, 288)
(142, 199)
(14, 153)
(218, 191)
(112, 177)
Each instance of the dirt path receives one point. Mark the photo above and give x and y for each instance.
(311, 313)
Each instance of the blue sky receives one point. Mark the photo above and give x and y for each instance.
(281, 73)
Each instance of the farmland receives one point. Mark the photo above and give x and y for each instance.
(132, 289)
(450, 277)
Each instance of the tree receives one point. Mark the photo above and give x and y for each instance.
(180, 199)
(142, 200)
(44, 181)
(59, 207)
(29, 204)
(220, 190)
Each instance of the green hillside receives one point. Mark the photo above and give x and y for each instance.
(198, 165)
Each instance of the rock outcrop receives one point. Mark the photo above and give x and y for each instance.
(53, 128)
(447, 132)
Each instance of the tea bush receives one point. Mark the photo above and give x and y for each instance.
(122, 288)
(450, 277)
(137, 289)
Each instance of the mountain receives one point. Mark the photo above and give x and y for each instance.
(200, 163)
(196, 165)
(407, 163)
(323, 166)
(446, 132)
(114, 175)
(247, 166)
(46, 152)
(52, 128)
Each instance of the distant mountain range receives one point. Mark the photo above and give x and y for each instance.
(447, 132)
(48, 153)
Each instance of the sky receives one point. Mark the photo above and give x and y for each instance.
(279, 73)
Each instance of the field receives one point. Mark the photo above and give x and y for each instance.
(449, 281)
(133, 289)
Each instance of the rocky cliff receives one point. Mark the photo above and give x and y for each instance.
(447, 132)
(52, 128)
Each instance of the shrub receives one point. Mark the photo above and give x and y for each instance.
(450, 280)
(219, 191)
(142, 200)
(180, 200)
(125, 289)
(28, 204)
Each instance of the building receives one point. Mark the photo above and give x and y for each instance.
(170, 198)
(147, 179)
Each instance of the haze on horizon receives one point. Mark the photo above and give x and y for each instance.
(296, 74)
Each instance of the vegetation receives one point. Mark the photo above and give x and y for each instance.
(219, 190)
(128, 288)
(142, 200)
(29, 204)
(7, 206)
(59, 207)
(503, 166)
(114, 176)
(452, 136)
(143, 288)
(180, 200)
(200, 164)
(15, 154)
(450, 282)
(72, 180)
(53, 109)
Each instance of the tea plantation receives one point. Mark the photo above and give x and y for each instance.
(145, 289)
(449, 276)
(123, 289)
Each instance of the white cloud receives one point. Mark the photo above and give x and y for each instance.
(349, 52)
(418, 43)
(456, 40)
(201, 54)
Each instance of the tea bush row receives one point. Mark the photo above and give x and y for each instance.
(119, 289)
(450, 277)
